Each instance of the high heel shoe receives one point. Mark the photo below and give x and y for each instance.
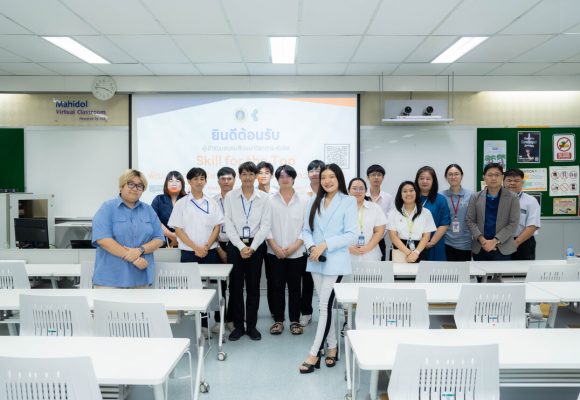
(309, 368)
(330, 361)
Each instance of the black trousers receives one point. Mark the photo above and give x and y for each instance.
(224, 246)
(268, 269)
(490, 256)
(454, 254)
(287, 271)
(307, 292)
(526, 250)
(383, 247)
(245, 271)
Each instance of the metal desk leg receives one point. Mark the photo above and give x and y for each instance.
(54, 282)
(551, 323)
(200, 383)
(349, 384)
(159, 392)
(374, 384)
(221, 355)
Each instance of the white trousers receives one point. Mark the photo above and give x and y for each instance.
(325, 331)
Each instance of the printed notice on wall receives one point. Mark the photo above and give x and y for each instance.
(494, 151)
(535, 179)
(564, 181)
(564, 147)
(529, 147)
(564, 206)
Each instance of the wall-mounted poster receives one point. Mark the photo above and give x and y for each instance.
(529, 147)
(564, 147)
(564, 206)
(494, 151)
(535, 179)
(564, 181)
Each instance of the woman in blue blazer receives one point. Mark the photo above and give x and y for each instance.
(330, 227)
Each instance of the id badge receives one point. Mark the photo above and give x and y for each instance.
(223, 229)
(411, 245)
(361, 240)
(246, 232)
(455, 226)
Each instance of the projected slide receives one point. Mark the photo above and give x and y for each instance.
(177, 132)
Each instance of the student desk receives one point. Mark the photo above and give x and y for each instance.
(565, 291)
(436, 293)
(194, 300)
(117, 361)
(527, 357)
(491, 268)
(410, 269)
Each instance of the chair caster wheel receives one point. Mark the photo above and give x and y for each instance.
(204, 387)
(347, 397)
(221, 356)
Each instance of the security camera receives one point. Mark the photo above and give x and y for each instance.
(428, 111)
(407, 111)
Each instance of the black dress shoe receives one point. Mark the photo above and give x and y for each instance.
(236, 334)
(254, 334)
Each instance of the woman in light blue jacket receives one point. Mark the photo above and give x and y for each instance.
(330, 227)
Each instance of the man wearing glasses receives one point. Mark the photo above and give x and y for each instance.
(375, 176)
(492, 217)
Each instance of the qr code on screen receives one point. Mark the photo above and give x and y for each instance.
(338, 154)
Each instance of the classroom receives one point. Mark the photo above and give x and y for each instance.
(181, 84)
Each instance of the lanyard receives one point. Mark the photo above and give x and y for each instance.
(410, 222)
(247, 214)
(361, 215)
(455, 208)
(197, 205)
(222, 205)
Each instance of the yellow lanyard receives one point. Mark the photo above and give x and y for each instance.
(361, 214)
(410, 222)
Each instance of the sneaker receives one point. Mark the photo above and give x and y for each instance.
(215, 329)
(305, 319)
(254, 334)
(237, 334)
(230, 326)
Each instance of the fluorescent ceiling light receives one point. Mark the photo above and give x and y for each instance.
(459, 49)
(76, 49)
(283, 50)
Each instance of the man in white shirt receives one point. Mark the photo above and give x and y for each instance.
(530, 212)
(375, 176)
(247, 223)
(285, 250)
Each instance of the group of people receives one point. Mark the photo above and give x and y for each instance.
(307, 241)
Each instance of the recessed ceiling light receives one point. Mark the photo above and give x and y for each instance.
(459, 49)
(283, 50)
(76, 49)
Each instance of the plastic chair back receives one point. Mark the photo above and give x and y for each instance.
(13, 275)
(87, 271)
(391, 308)
(118, 319)
(442, 272)
(48, 379)
(552, 273)
(371, 272)
(445, 372)
(491, 306)
(55, 316)
(174, 275)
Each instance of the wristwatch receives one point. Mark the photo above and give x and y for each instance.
(498, 241)
(141, 249)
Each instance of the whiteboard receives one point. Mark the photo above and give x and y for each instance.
(80, 166)
(402, 150)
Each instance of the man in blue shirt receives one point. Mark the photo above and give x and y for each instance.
(126, 232)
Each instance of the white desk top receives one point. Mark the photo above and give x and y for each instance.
(347, 293)
(565, 291)
(173, 299)
(131, 361)
(408, 269)
(74, 224)
(217, 271)
(512, 267)
(518, 348)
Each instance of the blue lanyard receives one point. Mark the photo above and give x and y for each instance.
(222, 205)
(195, 204)
(247, 214)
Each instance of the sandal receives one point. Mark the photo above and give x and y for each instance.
(277, 328)
(296, 328)
(329, 360)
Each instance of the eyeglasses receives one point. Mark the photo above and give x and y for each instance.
(375, 175)
(139, 186)
(493, 175)
(358, 189)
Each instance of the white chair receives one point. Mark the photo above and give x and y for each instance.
(87, 271)
(13, 275)
(552, 273)
(149, 320)
(491, 305)
(445, 372)
(442, 272)
(371, 272)
(55, 316)
(391, 308)
(48, 378)
(174, 275)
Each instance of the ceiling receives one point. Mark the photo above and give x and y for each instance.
(335, 37)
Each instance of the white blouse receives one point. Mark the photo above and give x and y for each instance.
(369, 216)
(407, 229)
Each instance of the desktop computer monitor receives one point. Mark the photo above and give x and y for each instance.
(31, 233)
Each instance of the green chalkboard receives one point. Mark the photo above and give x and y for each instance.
(12, 159)
(549, 152)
